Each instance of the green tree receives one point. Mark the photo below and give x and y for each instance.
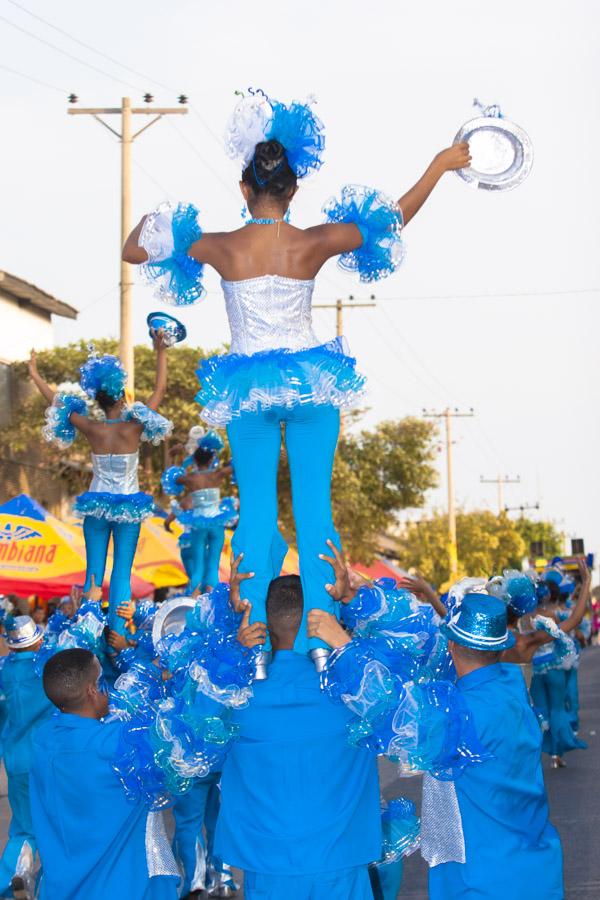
(487, 544)
(546, 532)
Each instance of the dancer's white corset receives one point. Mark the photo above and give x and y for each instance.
(115, 473)
(269, 313)
(205, 501)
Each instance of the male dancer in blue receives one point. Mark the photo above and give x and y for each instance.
(94, 843)
(299, 805)
(497, 811)
(25, 705)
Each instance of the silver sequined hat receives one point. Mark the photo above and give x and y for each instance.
(171, 617)
(23, 632)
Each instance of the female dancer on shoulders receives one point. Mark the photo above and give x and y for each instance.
(277, 373)
(114, 505)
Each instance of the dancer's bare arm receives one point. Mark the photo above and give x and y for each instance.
(80, 422)
(132, 252)
(580, 607)
(160, 381)
(418, 585)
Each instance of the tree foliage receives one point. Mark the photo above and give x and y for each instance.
(376, 474)
(487, 544)
(545, 532)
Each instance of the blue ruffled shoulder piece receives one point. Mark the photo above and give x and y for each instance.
(379, 220)
(156, 427)
(58, 428)
(558, 654)
(302, 134)
(170, 485)
(166, 236)
(401, 829)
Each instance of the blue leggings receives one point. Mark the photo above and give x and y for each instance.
(186, 554)
(549, 693)
(125, 536)
(573, 697)
(207, 544)
(311, 434)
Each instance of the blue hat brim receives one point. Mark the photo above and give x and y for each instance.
(473, 643)
(156, 320)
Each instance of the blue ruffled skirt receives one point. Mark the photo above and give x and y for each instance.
(129, 508)
(237, 383)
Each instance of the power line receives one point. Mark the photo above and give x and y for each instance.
(89, 47)
(70, 55)
(32, 78)
(195, 150)
(507, 295)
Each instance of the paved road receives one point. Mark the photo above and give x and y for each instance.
(572, 791)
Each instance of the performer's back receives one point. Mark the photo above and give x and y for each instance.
(297, 799)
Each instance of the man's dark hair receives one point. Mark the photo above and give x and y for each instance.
(203, 457)
(285, 605)
(66, 676)
(483, 657)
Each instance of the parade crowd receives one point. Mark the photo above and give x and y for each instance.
(257, 710)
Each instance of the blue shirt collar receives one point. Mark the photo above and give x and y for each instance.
(71, 720)
(25, 654)
(479, 676)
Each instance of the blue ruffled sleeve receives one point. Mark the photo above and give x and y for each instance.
(167, 235)
(379, 220)
(156, 427)
(58, 428)
(169, 482)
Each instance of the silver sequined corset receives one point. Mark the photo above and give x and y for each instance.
(206, 501)
(115, 473)
(269, 313)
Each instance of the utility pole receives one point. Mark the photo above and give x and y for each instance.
(521, 509)
(500, 480)
(339, 307)
(126, 137)
(447, 415)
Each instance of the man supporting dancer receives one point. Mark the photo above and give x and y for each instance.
(94, 842)
(300, 806)
(497, 840)
(25, 706)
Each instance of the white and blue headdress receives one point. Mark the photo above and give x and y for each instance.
(102, 373)
(258, 118)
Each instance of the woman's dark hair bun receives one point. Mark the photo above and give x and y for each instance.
(202, 456)
(270, 172)
(105, 401)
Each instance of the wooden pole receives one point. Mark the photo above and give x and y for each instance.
(126, 330)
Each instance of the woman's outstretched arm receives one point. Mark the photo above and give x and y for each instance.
(160, 382)
(455, 157)
(42, 386)
(580, 607)
(132, 252)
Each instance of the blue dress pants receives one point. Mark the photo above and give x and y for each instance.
(311, 434)
(17, 858)
(207, 545)
(97, 533)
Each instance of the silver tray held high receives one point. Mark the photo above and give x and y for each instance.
(501, 152)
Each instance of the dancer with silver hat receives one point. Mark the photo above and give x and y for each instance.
(25, 706)
(277, 373)
(114, 505)
(497, 840)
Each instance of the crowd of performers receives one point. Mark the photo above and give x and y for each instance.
(261, 718)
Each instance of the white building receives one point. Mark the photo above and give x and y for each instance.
(26, 318)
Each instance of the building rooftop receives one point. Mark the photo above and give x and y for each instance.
(28, 294)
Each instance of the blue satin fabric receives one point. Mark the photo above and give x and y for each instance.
(511, 848)
(25, 706)
(311, 434)
(91, 838)
(341, 885)
(296, 799)
(572, 679)
(125, 535)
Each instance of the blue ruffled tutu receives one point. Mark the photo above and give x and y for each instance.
(236, 383)
(129, 508)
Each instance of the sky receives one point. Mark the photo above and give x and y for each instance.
(495, 308)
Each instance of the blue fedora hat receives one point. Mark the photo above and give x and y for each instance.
(479, 622)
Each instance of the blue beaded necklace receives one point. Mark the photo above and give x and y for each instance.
(253, 221)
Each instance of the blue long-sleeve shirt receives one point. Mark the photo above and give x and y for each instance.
(93, 842)
(511, 849)
(24, 707)
(297, 799)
